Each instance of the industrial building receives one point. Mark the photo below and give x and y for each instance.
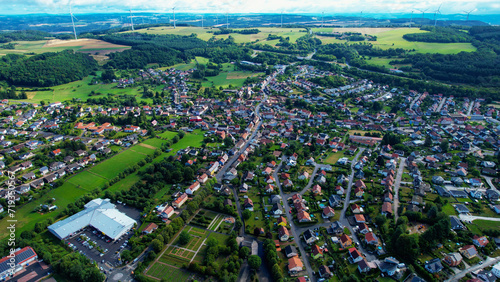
(99, 214)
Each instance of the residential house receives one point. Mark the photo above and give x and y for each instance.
(355, 255)
(317, 252)
(468, 251)
(290, 251)
(345, 241)
(480, 241)
(248, 204)
(328, 212)
(453, 259)
(283, 233)
(309, 236)
(150, 228)
(295, 265)
(371, 239)
(303, 216)
(434, 265)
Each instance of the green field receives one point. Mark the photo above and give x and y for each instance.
(125, 183)
(81, 89)
(229, 76)
(87, 180)
(155, 142)
(220, 237)
(485, 224)
(207, 33)
(168, 134)
(393, 38)
(166, 273)
(112, 167)
(42, 46)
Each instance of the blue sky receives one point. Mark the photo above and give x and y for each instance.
(246, 6)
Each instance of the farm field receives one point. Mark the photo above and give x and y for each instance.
(204, 34)
(393, 38)
(90, 46)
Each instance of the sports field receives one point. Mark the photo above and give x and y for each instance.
(112, 167)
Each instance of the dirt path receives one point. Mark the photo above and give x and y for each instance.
(147, 146)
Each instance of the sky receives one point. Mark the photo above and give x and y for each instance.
(248, 6)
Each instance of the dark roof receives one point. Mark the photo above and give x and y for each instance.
(308, 234)
(290, 250)
(434, 265)
(21, 255)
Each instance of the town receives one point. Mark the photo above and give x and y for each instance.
(306, 182)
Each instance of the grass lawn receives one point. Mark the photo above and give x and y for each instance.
(166, 273)
(220, 237)
(125, 183)
(168, 134)
(485, 224)
(112, 167)
(155, 142)
(198, 232)
(182, 67)
(87, 181)
(333, 158)
(448, 209)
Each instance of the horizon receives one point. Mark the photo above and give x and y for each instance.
(27, 7)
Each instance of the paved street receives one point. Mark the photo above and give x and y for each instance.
(488, 262)
(397, 183)
(295, 231)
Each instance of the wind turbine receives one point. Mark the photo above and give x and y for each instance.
(360, 16)
(468, 12)
(322, 20)
(131, 20)
(216, 19)
(281, 19)
(173, 11)
(201, 20)
(73, 17)
(227, 20)
(411, 18)
(423, 12)
(435, 14)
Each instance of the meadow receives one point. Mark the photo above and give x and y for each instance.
(207, 33)
(165, 272)
(386, 37)
(81, 89)
(393, 38)
(229, 76)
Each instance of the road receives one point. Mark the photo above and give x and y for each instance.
(295, 231)
(443, 100)
(397, 183)
(343, 219)
(471, 104)
(490, 183)
(415, 100)
(311, 180)
(488, 262)
(473, 217)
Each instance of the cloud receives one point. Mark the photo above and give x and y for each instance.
(249, 6)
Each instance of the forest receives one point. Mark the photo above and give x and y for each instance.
(239, 31)
(47, 69)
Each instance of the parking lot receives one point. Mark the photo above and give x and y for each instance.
(100, 248)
